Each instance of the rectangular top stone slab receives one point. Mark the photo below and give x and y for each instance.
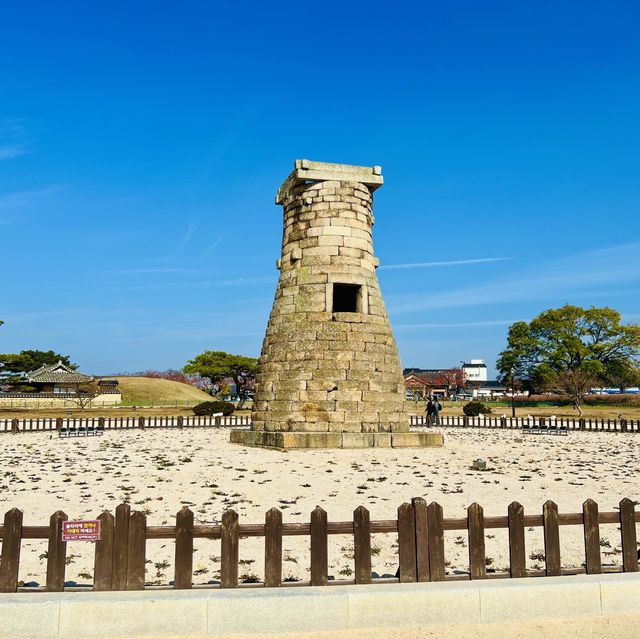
(309, 171)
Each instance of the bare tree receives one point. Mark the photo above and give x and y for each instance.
(576, 384)
(83, 393)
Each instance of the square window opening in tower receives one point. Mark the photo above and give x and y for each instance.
(347, 298)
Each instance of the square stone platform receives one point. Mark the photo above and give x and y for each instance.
(285, 440)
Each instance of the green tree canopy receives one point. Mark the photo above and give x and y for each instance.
(216, 365)
(14, 365)
(569, 339)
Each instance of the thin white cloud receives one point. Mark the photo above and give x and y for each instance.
(211, 247)
(478, 324)
(186, 238)
(27, 197)
(591, 272)
(12, 151)
(151, 271)
(479, 260)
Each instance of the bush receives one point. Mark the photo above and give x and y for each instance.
(473, 409)
(211, 408)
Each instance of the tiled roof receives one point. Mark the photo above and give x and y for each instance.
(53, 373)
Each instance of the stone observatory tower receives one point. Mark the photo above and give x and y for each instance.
(329, 373)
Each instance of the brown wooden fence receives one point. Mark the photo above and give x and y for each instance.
(117, 423)
(120, 554)
(533, 423)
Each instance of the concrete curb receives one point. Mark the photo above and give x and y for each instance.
(199, 613)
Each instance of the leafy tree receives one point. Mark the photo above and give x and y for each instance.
(216, 365)
(623, 375)
(13, 366)
(569, 338)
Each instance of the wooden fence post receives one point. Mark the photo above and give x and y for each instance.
(407, 543)
(551, 539)
(14, 426)
(183, 569)
(180, 421)
(628, 534)
(477, 556)
(56, 553)
(229, 542)
(591, 537)
(319, 554)
(517, 554)
(422, 538)
(273, 548)
(120, 547)
(103, 559)
(141, 422)
(362, 545)
(11, 543)
(436, 541)
(136, 551)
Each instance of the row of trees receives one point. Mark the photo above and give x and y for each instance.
(572, 350)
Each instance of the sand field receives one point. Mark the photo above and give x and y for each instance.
(159, 471)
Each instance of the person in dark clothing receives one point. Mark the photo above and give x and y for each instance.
(429, 410)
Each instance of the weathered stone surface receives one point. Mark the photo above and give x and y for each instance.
(329, 372)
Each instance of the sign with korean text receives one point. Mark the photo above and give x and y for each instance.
(81, 530)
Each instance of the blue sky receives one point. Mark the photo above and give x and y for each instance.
(142, 144)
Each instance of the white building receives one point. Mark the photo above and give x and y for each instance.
(475, 370)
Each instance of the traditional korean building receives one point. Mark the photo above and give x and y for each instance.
(57, 378)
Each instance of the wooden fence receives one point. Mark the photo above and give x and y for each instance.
(114, 423)
(120, 554)
(529, 423)
(194, 421)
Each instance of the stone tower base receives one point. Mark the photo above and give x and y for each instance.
(285, 440)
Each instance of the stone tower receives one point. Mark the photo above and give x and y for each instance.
(329, 374)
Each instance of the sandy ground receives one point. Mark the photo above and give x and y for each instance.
(160, 471)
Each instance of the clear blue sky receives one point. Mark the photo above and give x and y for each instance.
(142, 143)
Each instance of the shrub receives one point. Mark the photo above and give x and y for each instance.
(473, 409)
(211, 408)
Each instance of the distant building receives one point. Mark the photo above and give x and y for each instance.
(56, 378)
(475, 370)
(57, 384)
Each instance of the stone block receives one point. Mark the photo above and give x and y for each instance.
(29, 616)
(413, 605)
(416, 440)
(620, 593)
(131, 614)
(540, 599)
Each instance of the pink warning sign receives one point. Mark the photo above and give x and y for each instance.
(81, 530)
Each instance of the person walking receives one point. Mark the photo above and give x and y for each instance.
(429, 412)
(437, 407)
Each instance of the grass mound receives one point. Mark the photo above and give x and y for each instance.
(147, 391)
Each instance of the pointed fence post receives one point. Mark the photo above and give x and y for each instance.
(103, 559)
(628, 534)
(477, 555)
(551, 539)
(273, 548)
(435, 532)
(517, 554)
(407, 543)
(591, 537)
(319, 552)
(229, 543)
(136, 551)
(422, 538)
(362, 545)
(11, 543)
(121, 547)
(56, 553)
(183, 569)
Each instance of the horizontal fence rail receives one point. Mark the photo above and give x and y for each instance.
(80, 425)
(120, 553)
(532, 424)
